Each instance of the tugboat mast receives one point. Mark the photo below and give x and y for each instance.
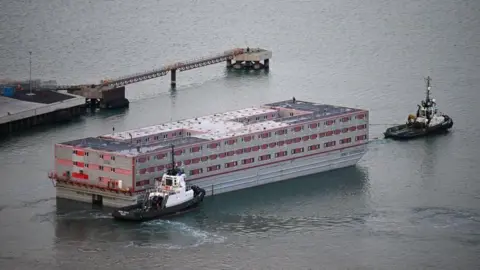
(427, 100)
(173, 171)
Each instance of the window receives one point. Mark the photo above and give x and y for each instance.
(101, 155)
(281, 132)
(345, 119)
(337, 131)
(297, 129)
(151, 169)
(196, 171)
(178, 152)
(239, 152)
(353, 128)
(195, 149)
(313, 136)
(247, 150)
(280, 143)
(112, 169)
(248, 161)
(346, 140)
(247, 138)
(100, 168)
(360, 116)
(264, 135)
(112, 157)
(329, 144)
(160, 168)
(329, 133)
(222, 155)
(329, 122)
(297, 150)
(321, 135)
(289, 141)
(203, 159)
(165, 136)
(264, 157)
(86, 165)
(231, 164)
(314, 125)
(213, 168)
(142, 183)
(86, 154)
(255, 148)
(195, 160)
(155, 138)
(230, 153)
(314, 147)
(264, 146)
(213, 145)
(297, 140)
(281, 154)
(264, 117)
(361, 138)
(272, 144)
(159, 156)
(305, 138)
(230, 142)
(360, 127)
(344, 130)
(213, 157)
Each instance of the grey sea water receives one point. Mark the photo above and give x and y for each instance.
(408, 205)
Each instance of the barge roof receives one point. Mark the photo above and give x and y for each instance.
(212, 127)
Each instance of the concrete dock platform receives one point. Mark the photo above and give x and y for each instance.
(23, 111)
(251, 59)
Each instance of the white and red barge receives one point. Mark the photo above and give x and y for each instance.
(219, 153)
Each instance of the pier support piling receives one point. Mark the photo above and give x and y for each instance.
(173, 77)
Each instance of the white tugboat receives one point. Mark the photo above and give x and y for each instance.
(170, 196)
(427, 120)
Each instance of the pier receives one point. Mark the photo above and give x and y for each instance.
(110, 93)
(21, 110)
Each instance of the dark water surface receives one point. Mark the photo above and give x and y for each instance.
(409, 205)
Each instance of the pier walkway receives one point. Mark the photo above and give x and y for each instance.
(237, 58)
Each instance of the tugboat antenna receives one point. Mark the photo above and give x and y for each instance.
(173, 159)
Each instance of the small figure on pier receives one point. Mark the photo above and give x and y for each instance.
(293, 100)
(248, 49)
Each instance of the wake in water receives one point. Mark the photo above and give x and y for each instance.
(190, 237)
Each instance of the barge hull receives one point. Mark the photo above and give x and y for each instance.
(233, 181)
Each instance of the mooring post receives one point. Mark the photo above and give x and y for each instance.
(266, 63)
(173, 77)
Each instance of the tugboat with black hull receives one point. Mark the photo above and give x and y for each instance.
(170, 196)
(427, 121)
